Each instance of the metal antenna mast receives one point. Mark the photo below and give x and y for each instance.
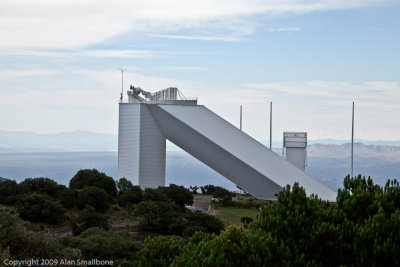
(240, 117)
(270, 126)
(122, 86)
(352, 142)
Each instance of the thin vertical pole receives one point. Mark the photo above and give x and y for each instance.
(240, 117)
(122, 85)
(352, 142)
(270, 126)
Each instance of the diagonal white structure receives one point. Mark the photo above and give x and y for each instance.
(144, 128)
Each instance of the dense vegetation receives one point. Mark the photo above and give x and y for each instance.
(361, 228)
(85, 207)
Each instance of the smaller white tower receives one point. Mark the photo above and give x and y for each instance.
(295, 148)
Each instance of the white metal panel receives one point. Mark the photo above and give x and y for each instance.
(129, 142)
(297, 156)
(295, 144)
(152, 151)
(141, 147)
(231, 152)
(214, 156)
(295, 139)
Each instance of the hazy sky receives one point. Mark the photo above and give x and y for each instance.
(59, 62)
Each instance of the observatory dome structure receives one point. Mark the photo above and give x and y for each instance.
(146, 120)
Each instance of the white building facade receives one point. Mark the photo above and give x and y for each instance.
(144, 126)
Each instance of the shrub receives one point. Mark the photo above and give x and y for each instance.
(68, 197)
(159, 217)
(209, 223)
(8, 188)
(246, 220)
(8, 192)
(193, 189)
(207, 189)
(21, 243)
(221, 193)
(233, 247)
(124, 185)
(159, 252)
(88, 218)
(128, 193)
(191, 230)
(95, 178)
(361, 229)
(40, 208)
(96, 243)
(179, 195)
(95, 197)
(155, 194)
(39, 185)
(128, 198)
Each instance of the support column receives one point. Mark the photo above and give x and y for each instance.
(141, 147)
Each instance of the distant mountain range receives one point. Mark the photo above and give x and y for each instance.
(14, 141)
(19, 141)
(361, 150)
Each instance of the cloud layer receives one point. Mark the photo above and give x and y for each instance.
(87, 99)
(77, 24)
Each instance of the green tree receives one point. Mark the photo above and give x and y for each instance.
(155, 194)
(159, 217)
(39, 185)
(179, 195)
(159, 251)
(128, 198)
(233, 247)
(193, 189)
(40, 208)
(124, 185)
(8, 188)
(305, 225)
(88, 218)
(192, 229)
(207, 189)
(8, 192)
(128, 193)
(95, 197)
(361, 229)
(357, 199)
(370, 225)
(68, 197)
(95, 178)
(204, 222)
(221, 193)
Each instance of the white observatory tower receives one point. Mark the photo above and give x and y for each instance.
(148, 119)
(141, 144)
(295, 148)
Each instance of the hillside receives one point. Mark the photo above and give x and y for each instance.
(389, 153)
(11, 141)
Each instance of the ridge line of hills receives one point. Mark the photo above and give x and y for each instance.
(82, 141)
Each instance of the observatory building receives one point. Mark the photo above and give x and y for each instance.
(148, 119)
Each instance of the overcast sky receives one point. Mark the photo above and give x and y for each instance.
(59, 62)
